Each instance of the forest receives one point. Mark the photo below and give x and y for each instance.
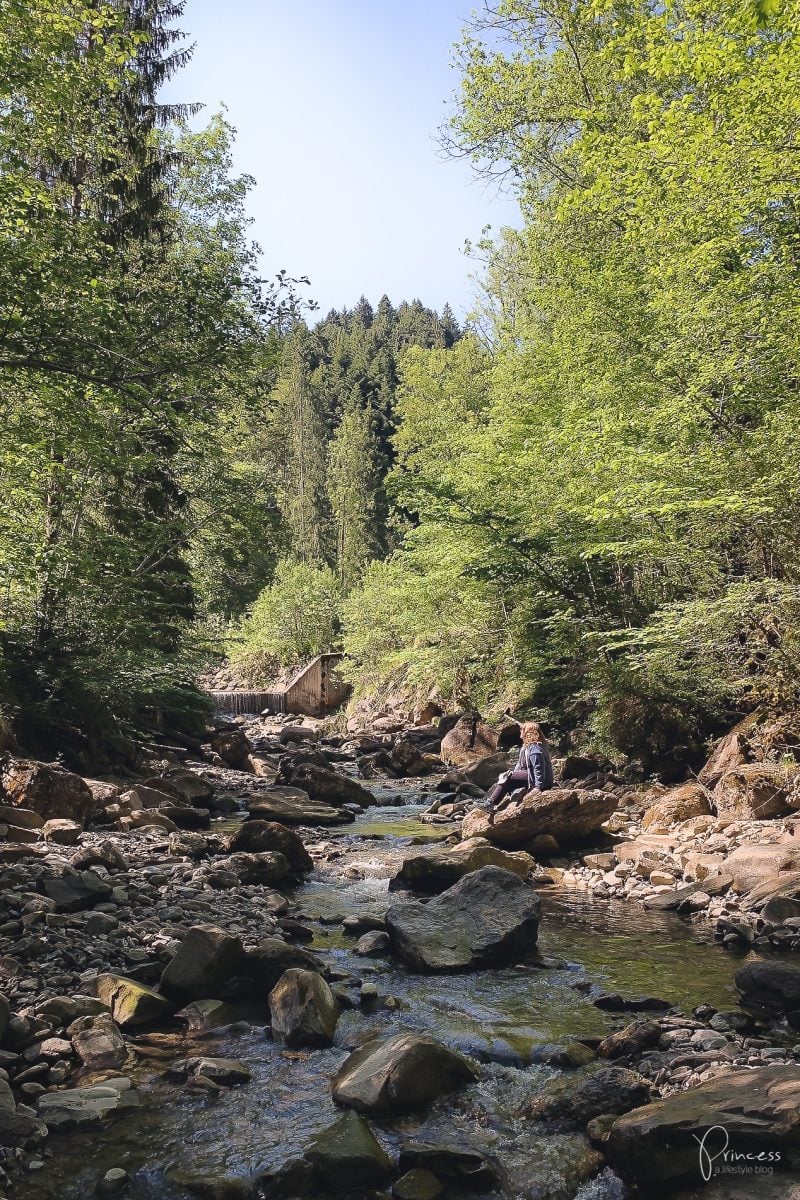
(582, 502)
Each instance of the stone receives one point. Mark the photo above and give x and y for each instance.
(779, 909)
(324, 785)
(469, 740)
(578, 1100)
(678, 804)
(755, 864)
(214, 1187)
(205, 961)
(293, 806)
(5, 1016)
(269, 868)
(754, 791)
(303, 1009)
(202, 1015)
(105, 854)
(347, 1156)
(185, 817)
(62, 831)
(46, 789)
(86, 1108)
(418, 1184)
(20, 818)
(373, 944)
(484, 774)
(729, 752)
(631, 1040)
(487, 918)
(404, 1074)
(565, 813)
(17, 1127)
(100, 1045)
(434, 870)
(184, 785)
(770, 990)
(256, 836)
(566, 1056)
(113, 1182)
(227, 1072)
(463, 1168)
(758, 1110)
(271, 958)
(232, 746)
(186, 844)
(74, 891)
(131, 1003)
(147, 818)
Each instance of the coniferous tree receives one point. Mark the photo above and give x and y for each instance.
(353, 487)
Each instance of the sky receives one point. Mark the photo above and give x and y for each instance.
(337, 106)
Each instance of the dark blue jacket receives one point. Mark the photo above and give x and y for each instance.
(535, 759)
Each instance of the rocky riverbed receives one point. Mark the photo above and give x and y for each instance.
(368, 1006)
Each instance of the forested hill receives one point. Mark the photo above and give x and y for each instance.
(584, 504)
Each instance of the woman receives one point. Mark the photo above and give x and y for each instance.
(533, 769)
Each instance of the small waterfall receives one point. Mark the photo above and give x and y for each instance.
(238, 702)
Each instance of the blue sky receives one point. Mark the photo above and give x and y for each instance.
(337, 105)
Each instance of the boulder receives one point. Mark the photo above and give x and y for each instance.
(184, 785)
(88, 1107)
(434, 870)
(269, 868)
(677, 804)
(405, 759)
(488, 917)
(630, 1041)
(131, 1003)
(418, 1184)
(484, 774)
(105, 854)
(253, 837)
(755, 792)
(141, 796)
(186, 844)
(74, 891)
(227, 1072)
(232, 747)
(271, 958)
(470, 740)
(303, 1008)
(729, 753)
(754, 864)
(45, 789)
(746, 1111)
(205, 961)
(147, 818)
(17, 1127)
(20, 818)
(770, 990)
(347, 1156)
(62, 831)
(404, 1074)
(293, 806)
(185, 817)
(463, 1168)
(575, 1101)
(98, 1043)
(324, 785)
(565, 813)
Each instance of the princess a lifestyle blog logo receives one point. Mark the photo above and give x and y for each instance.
(718, 1157)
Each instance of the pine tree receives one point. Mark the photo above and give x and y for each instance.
(353, 487)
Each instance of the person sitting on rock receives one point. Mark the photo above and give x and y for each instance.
(533, 768)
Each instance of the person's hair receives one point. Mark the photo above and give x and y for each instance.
(532, 733)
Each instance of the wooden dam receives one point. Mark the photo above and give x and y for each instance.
(315, 690)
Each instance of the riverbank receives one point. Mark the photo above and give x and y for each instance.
(611, 1008)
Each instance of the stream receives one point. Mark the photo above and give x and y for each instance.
(497, 1016)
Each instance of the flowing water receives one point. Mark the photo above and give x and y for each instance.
(497, 1016)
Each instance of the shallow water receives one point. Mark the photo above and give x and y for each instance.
(498, 1016)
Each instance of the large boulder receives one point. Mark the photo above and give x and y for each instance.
(755, 864)
(98, 1043)
(205, 961)
(45, 789)
(745, 1111)
(253, 837)
(754, 791)
(303, 1009)
(729, 752)
(574, 1101)
(434, 870)
(131, 1003)
(183, 785)
(484, 774)
(565, 813)
(74, 891)
(324, 785)
(347, 1156)
(488, 917)
(770, 990)
(677, 804)
(293, 806)
(471, 739)
(404, 1074)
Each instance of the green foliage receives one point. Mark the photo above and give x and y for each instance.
(619, 466)
(294, 619)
